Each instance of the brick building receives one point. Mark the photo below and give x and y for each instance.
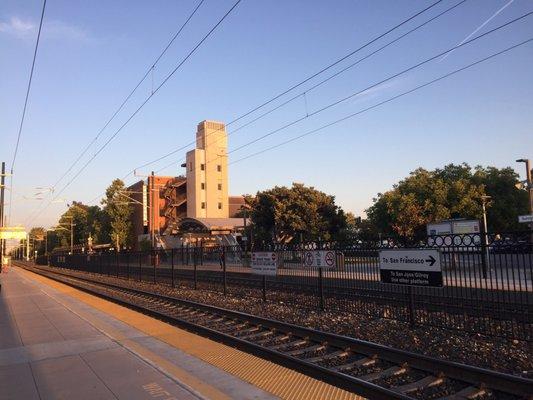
(196, 205)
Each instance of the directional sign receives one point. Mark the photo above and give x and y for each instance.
(264, 263)
(524, 219)
(410, 267)
(12, 232)
(320, 258)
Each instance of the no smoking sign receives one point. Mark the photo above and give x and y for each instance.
(320, 258)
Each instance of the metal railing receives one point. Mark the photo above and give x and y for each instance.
(487, 279)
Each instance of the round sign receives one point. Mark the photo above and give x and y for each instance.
(309, 258)
(330, 259)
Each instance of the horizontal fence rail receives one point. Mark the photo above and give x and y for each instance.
(487, 279)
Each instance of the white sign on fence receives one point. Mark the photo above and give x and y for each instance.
(264, 263)
(524, 219)
(410, 267)
(320, 258)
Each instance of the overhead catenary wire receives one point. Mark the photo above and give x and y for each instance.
(381, 82)
(165, 80)
(433, 81)
(307, 79)
(417, 65)
(304, 93)
(28, 88)
(376, 84)
(132, 92)
(302, 82)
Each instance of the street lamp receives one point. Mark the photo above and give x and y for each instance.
(529, 183)
(484, 200)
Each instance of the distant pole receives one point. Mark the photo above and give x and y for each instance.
(152, 210)
(71, 235)
(2, 187)
(529, 182)
(484, 200)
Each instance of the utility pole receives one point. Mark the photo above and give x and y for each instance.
(71, 235)
(2, 187)
(152, 209)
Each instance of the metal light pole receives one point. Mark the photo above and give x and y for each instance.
(529, 183)
(484, 200)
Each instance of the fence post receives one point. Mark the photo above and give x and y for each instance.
(264, 288)
(195, 271)
(224, 269)
(128, 265)
(118, 262)
(154, 260)
(108, 267)
(182, 261)
(140, 267)
(201, 252)
(484, 252)
(412, 320)
(172, 265)
(321, 288)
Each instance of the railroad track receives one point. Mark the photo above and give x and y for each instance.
(365, 368)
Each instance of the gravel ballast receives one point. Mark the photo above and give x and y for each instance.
(499, 354)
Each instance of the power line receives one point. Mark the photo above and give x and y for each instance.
(384, 102)
(25, 105)
(373, 85)
(389, 78)
(307, 79)
(150, 69)
(144, 103)
(309, 89)
(28, 88)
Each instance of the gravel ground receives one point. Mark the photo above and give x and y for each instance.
(505, 355)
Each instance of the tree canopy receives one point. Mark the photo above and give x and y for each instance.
(87, 221)
(294, 214)
(117, 207)
(454, 191)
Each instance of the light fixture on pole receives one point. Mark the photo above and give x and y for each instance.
(529, 187)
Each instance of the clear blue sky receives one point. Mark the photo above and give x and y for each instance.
(93, 53)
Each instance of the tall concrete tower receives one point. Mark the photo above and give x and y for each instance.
(207, 173)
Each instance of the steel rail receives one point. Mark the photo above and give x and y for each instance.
(473, 376)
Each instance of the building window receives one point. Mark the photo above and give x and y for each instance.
(202, 185)
(220, 206)
(220, 186)
(203, 205)
(202, 167)
(190, 166)
(219, 168)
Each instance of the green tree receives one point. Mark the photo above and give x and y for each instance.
(74, 218)
(118, 210)
(294, 214)
(454, 191)
(507, 202)
(37, 239)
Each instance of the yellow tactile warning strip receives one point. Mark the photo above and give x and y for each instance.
(270, 377)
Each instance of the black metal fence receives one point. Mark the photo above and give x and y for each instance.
(487, 279)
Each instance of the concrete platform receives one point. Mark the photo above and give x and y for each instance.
(54, 346)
